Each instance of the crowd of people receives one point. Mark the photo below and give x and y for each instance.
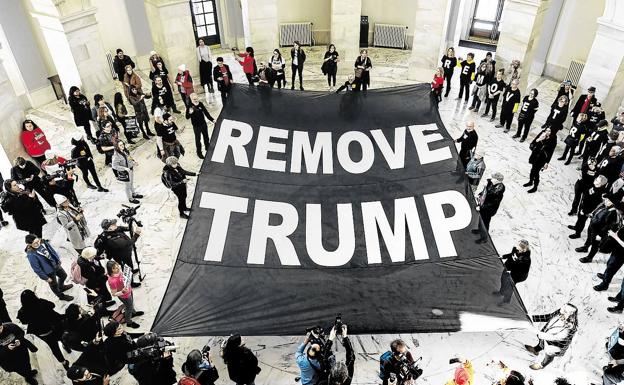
(108, 269)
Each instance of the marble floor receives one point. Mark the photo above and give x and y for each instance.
(556, 275)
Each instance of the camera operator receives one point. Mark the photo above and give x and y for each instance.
(151, 363)
(118, 246)
(309, 361)
(27, 174)
(90, 367)
(397, 367)
(59, 176)
(198, 370)
(242, 363)
(117, 345)
(464, 373)
(613, 372)
(340, 373)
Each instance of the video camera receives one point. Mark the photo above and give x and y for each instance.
(150, 347)
(127, 213)
(407, 370)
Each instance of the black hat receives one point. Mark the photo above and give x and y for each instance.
(119, 50)
(76, 372)
(106, 223)
(30, 238)
(603, 123)
(111, 328)
(166, 116)
(591, 89)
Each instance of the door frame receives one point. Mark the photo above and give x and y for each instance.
(495, 32)
(207, 40)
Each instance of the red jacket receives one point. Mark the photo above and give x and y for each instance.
(437, 83)
(247, 63)
(35, 142)
(187, 82)
(188, 381)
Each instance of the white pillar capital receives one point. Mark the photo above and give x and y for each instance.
(68, 7)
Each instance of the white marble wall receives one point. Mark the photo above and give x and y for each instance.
(86, 47)
(11, 116)
(260, 25)
(345, 29)
(429, 36)
(604, 68)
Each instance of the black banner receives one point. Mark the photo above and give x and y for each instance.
(311, 204)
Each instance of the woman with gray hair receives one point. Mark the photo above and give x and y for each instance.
(123, 167)
(174, 178)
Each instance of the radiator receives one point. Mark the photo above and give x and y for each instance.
(387, 35)
(109, 57)
(289, 32)
(574, 72)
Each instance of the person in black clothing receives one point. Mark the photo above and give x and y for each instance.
(27, 174)
(81, 109)
(558, 114)
(584, 103)
(14, 355)
(511, 102)
(610, 166)
(578, 129)
(488, 60)
(449, 62)
(90, 368)
(528, 108)
(517, 264)
(490, 199)
(615, 261)
(584, 183)
(116, 245)
(605, 149)
(595, 115)
(91, 269)
(565, 89)
(242, 363)
(330, 66)
(468, 68)
(199, 367)
(595, 140)
(4, 314)
(162, 89)
(43, 321)
(24, 207)
(542, 148)
(604, 218)
(82, 153)
(398, 354)
(106, 143)
(175, 177)
(120, 62)
(298, 57)
(482, 80)
(340, 373)
(80, 328)
(591, 198)
(468, 142)
(221, 73)
(197, 112)
(117, 345)
(493, 92)
(166, 139)
(363, 65)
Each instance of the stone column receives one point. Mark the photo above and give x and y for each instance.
(521, 26)
(80, 26)
(429, 39)
(25, 51)
(345, 29)
(11, 116)
(260, 25)
(172, 31)
(605, 62)
(546, 37)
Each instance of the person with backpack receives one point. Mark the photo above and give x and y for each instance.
(73, 221)
(43, 321)
(174, 178)
(46, 263)
(88, 271)
(242, 363)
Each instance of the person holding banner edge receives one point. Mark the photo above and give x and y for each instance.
(489, 201)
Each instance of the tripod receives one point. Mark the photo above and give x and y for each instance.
(131, 222)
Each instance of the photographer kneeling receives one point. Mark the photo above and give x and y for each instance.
(397, 367)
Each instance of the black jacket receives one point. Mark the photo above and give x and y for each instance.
(175, 176)
(26, 211)
(591, 199)
(117, 245)
(556, 117)
(468, 142)
(604, 219)
(519, 267)
(493, 198)
(93, 272)
(579, 104)
(542, 151)
(242, 365)
(610, 168)
(19, 174)
(120, 66)
(301, 56)
(81, 109)
(82, 152)
(199, 112)
(81, 332)
(93, 359)
(448, 65)
(116, 351)
(595, 140)
(528, 108)
(216, 74)
(40, 317)
(13, 360)
(587, 177)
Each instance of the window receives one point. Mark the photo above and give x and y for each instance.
(485, 20)
(205, 21)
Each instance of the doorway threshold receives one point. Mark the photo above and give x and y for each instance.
(478, 44)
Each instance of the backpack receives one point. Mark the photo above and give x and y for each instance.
(99, 243)
(165, 180)
(384, 359)
(119, 315)
(76, 274)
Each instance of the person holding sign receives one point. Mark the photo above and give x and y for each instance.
(119, 285)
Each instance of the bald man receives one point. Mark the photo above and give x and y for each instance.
(468, 142)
